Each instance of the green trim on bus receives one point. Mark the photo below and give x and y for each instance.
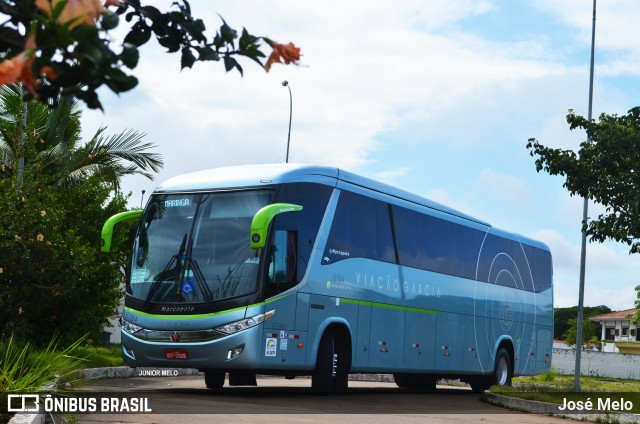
(273, 299)
(263, 217)
(107, 228)
(388, 306)
(181, 317)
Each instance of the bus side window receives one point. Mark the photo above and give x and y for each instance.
(283, 264)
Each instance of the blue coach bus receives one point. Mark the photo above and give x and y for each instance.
(300, 270)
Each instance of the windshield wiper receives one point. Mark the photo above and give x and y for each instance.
(178, 259)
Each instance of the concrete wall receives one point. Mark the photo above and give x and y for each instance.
(602, 364)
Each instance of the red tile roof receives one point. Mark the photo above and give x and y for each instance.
(613, 315)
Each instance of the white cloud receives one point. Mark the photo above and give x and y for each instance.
(616, 24)
(500, 189)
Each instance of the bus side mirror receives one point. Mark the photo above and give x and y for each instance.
(107, 228)
(262, 219)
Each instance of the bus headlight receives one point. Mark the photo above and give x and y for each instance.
(129, 327)
(244, 324)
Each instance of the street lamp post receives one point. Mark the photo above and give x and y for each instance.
(585, 209)
(286, 84)
(141, 198)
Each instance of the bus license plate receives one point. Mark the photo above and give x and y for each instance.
(176, 354)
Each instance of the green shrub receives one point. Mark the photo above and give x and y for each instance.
(24, 370)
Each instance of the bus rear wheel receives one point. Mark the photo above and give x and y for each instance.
(503, 370)
(501, 376)
(213, 379)
(332, 366)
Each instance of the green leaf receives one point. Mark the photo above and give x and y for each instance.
(129, 55)
(171, 42)
(188, 59)
(109, 21)
(57, 10)
(227, 34)
(84, 33)
(151, 12)
(118, 81)
(90, 98)
(139, 34)
(230, 63)
(92, 53)
(207, 53)
(246, 40)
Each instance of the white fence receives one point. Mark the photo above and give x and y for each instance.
(602, 364)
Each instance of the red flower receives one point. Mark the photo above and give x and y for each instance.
(287, 52)
(10, 69)
(18, 69)
(78, 12)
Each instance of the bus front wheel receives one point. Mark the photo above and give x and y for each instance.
(213, 379)
(332, 366)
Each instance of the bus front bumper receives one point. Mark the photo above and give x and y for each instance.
(235, 351)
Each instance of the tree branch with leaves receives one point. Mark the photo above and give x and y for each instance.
(606, 169)
(63, 47)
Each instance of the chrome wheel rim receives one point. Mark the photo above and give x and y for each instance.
(502, 371)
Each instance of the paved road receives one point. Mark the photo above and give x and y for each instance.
(276, 400)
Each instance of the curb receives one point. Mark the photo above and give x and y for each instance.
(551, 409)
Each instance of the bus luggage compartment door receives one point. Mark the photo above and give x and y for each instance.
(450, 341)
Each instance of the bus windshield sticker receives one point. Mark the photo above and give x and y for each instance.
(187, 286)
(138, 275)
(271, 346)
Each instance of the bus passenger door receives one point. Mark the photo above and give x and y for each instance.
(282, 327)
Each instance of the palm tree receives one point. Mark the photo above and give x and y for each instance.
(47, 142)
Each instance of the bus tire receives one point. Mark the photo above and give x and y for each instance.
(214, 379)
(501, 376)
(332, 366)
(503, 368)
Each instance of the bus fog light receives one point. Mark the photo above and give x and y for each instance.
(129, 352)
(235, 352)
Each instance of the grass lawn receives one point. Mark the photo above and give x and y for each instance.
(555, 388)
(98, 357)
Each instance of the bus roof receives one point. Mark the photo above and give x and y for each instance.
(267, 174)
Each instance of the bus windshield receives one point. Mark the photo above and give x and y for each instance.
(194, 248)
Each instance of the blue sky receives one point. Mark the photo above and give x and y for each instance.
(438, 98)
